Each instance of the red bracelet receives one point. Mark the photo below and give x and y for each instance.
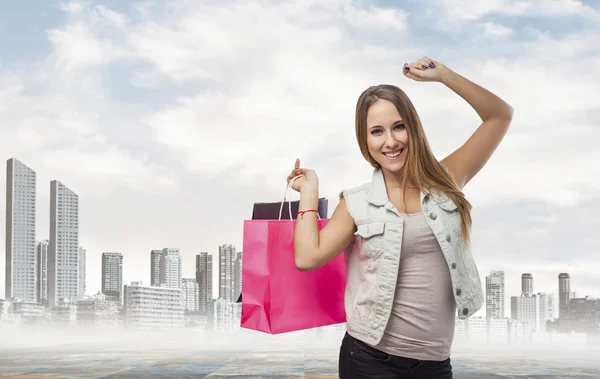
(301, 213)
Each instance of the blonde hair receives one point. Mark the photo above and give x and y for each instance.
(421, 167)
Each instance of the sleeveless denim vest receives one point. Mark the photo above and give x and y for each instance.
(373, 257)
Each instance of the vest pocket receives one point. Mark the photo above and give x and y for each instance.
(371, 238)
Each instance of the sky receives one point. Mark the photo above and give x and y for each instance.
(170, 119)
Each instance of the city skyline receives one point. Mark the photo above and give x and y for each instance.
(226, 255)
(164, 302)
(64, 209)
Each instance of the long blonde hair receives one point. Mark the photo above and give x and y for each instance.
(421, 167)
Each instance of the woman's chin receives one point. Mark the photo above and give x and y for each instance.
(394, 167)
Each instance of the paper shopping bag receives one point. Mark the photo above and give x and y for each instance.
(288, 210)
(276, 296)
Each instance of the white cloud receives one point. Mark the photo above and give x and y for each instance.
(492, 29)
(475, 10)
(71, 7)
(377, 18)
(75, 47)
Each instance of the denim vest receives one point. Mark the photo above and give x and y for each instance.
(373, 257)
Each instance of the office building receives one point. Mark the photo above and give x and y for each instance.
(227, 275)
(190, 293)
(526, 284)
(204, 277)
(82, 268)
(152, 308)
(112, 275)
(63, 249)
(20, 266)
(564, 298)
(494, 286)
(42, 271)
(238, 276)
(165, 268)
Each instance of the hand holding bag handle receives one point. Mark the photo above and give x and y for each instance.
(285, 195)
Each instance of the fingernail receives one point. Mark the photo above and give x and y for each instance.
(431, 65)
(423, 67)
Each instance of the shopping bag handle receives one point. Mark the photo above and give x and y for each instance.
(287, 188)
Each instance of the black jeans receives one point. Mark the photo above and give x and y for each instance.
(361, 361)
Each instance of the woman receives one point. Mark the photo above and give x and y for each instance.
(405, 233)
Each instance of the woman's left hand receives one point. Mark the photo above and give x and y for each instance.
(425, 70)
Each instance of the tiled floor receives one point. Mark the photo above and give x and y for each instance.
(72, 362)
(197, 358)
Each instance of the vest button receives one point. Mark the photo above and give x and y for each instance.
(448, 238)
(433, 215)
(453, 265)
(465, 311)
(458, 292)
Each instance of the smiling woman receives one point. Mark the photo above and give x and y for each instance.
(405, 234)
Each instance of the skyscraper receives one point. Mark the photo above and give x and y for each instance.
(526, 284)
(204, 277)
(227, 275)
(63, 250)
(82, 268)
(155, 256)
(112, 275)
(42, 271)
(534, 309)
(564, 299)
(20, 232)
(494, 286)
(165, 268)
(238, 275)
(190, 294)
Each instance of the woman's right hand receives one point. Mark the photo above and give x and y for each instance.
(308, 177)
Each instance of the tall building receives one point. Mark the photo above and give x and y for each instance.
(564, 298)
(112, 275)
(20, 264)
(165, 268)
(82, 268)
(63, 249)
(204, 271)
(227, 256)
(526, 284)
(155, 256)
(42, 271)
(494, 288)
(238, 275)
(190, 293)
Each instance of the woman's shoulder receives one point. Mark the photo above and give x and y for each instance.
(358, 190)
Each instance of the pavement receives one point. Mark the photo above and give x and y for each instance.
(231, 357)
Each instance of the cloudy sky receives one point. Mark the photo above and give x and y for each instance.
(170, 121)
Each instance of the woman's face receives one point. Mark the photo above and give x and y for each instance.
(387, 137)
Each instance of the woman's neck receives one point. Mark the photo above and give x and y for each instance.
(393, 180)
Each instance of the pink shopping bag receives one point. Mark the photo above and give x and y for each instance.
(276, 296)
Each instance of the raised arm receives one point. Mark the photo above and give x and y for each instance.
(314, 248)
(496, 116)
